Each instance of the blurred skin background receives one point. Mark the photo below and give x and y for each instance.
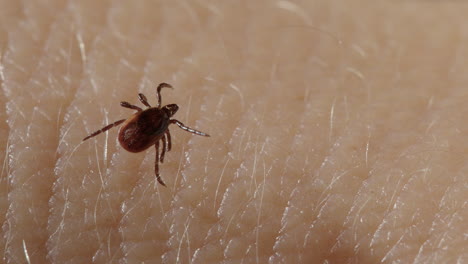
(338, 131)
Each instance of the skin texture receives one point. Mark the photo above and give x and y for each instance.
(338, 132)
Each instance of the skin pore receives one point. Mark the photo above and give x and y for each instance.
(337, 132)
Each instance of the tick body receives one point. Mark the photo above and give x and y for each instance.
(148, 128)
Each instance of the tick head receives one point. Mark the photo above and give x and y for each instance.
(171, 109)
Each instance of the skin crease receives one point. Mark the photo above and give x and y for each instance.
(338, 132)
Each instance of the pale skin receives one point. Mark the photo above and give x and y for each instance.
(338, 132)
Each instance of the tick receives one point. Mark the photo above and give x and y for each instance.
(148, 127)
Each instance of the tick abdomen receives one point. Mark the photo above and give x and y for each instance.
(143, 129)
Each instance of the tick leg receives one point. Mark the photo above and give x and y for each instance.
(156, 165)
(188, 129)
(128, 105)
(163, 138)
(143, 99)
(104, 129)
(160, 86)
(169, 144)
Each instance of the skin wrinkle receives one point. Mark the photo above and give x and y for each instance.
(139, 214)
(8, 59)
(283, 231)
(115, 182)
(115, 202)
(350, 224)
(428, 239)
(285, 192)
(445, 250)
(134, 189)
(210, 237)
(251, 203)
(168, 256)
(61, 189)
(393, 169)
(256, 155)
(443, 194)
(70, 94)
(326, 199)
(384, 223)
(4, 136)
(182, 196)
(388, 206)
(328, 156)
(197, 252)
(399, 241)
(182, 89)
(210, 241)
(5, 170)
(413, 174)
(14, 224)
(54, 243)
(166, 198)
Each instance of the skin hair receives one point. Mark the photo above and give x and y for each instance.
(337, 132)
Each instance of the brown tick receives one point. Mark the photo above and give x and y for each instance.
(147, 127)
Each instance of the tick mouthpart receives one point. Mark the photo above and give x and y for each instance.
(171, 109)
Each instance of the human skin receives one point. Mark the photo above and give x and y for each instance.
(337, 132)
